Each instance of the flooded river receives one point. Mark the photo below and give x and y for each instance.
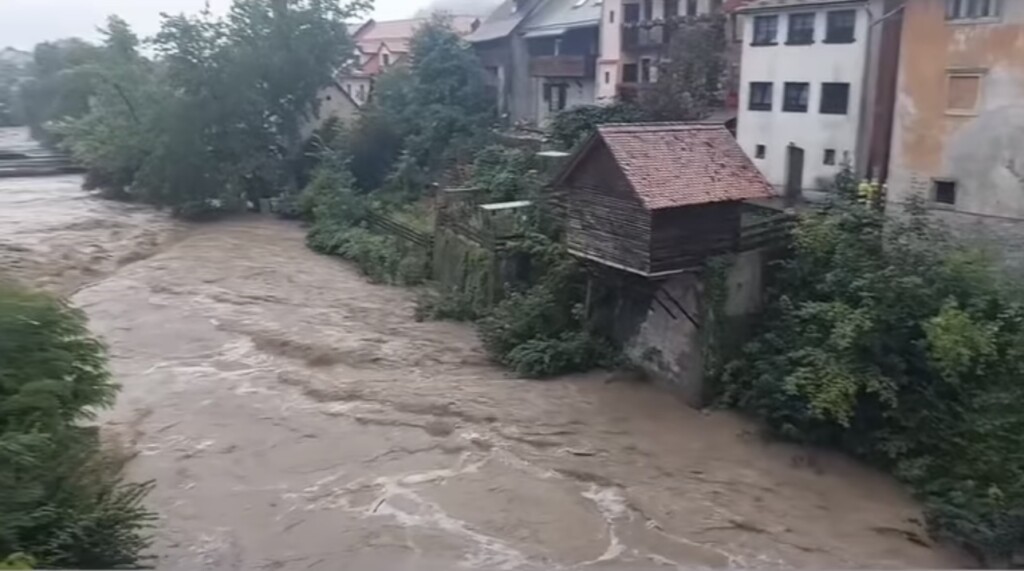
(296, 417)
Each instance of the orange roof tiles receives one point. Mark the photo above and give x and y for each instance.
(683, 164)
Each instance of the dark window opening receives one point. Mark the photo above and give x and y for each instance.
(759, 152)
(556, 95)
(648, 9)
(801, 29)
(835, 98)
(760, 96)
(737, 28)
(611, 16)
(945, 192)
(671, 8)
(630, 73)
(607, 77)
(645, 71)
(971, 9)
(796, 96)
(841, 27)
(631, 13)
(385, 59)
(766, 28)
(691, 7)
(830, 157)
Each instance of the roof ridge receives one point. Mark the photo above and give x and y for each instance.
(662, 124)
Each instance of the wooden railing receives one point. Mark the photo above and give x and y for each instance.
(403, 231)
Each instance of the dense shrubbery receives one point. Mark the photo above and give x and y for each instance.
(890, 340)
(61, 498)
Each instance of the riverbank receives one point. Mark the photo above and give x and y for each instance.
(295, 416)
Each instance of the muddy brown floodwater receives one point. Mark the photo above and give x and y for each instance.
(295, 416)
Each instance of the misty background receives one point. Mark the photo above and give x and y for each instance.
(25, 23)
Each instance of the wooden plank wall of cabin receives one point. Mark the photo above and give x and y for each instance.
(686, 235)
(606, 220)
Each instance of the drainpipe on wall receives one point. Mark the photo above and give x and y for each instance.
(883, 109)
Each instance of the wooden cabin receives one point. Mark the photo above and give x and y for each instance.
(656, 199)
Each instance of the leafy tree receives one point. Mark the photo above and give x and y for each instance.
(59, 86)
(11, 76)
(438, 106)
(62, 500)
(887, 338)
(215, 121)
(572, 126)
(690, 79)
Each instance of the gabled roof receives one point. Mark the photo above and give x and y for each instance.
(397, 33)
(757, 5)
(678, 164)
(557, 16)
(503, 20)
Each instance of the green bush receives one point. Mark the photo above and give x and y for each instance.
(572, 126)
(61, 498)
(542, 331)
(886, 338)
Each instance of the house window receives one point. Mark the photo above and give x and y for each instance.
(972, 9)
(631, 13)
(760, 96)
(835, 98)
(691, 7)
(645, 70)
(759, 152)
(830, 157)
(611, 16)
(945, 191)
(385, 59)
(607, 77)
(556, 95)
(648, 9)
(671, 8)
(796, 96)
(963, 92)
(737, 27)
(630, 73)
(801, 29)
(841, 27)
(361, 94)
(765, 30)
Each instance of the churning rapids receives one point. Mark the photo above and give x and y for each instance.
(295, 416)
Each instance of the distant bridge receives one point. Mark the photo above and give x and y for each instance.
(35, 163)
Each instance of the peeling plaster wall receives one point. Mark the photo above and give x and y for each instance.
(982, 151)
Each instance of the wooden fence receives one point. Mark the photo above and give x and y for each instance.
(400, 230)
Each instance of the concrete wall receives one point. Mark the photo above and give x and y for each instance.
(812, 131)
(669, 347)
(333, 103)
(982, 150)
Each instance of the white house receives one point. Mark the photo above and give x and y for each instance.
(633, 41)
(807, 88)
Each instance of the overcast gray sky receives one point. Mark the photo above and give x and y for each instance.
(24, 23)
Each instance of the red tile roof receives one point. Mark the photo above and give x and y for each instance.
(683, 164)
(397, 33)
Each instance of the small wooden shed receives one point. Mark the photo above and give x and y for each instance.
(655, 199)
